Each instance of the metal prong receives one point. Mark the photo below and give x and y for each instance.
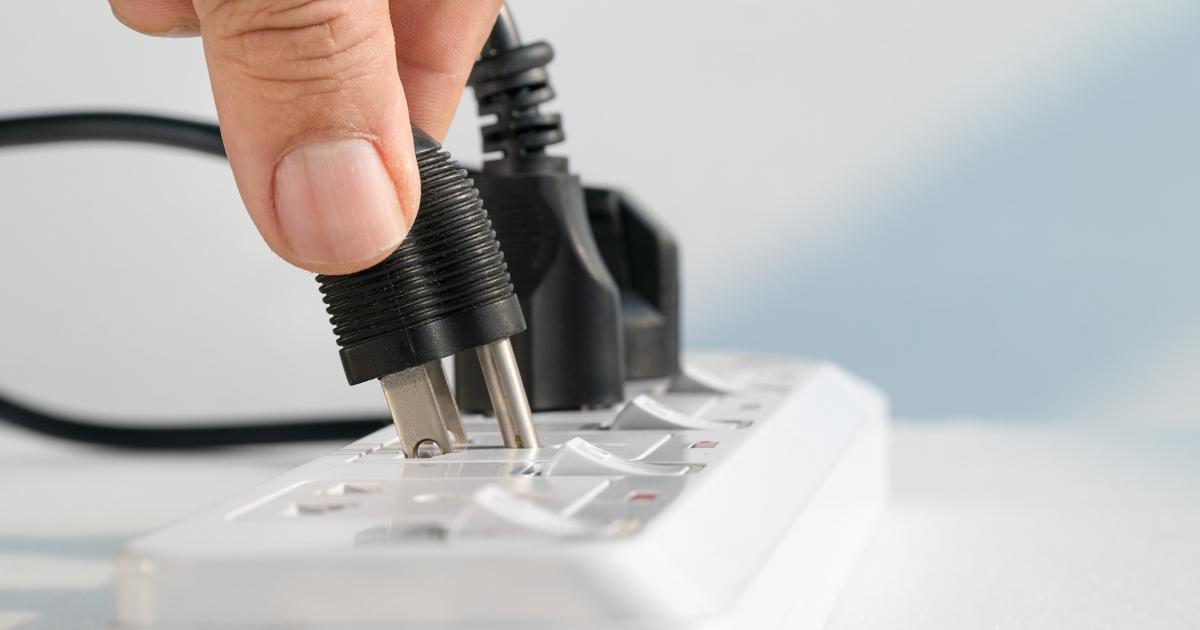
(422, 410)
(445, 402)
(504, 386)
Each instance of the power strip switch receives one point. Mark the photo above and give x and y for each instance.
(737, 495)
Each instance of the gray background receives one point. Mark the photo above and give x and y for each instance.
(986, 209)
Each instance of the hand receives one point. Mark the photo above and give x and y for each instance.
(315, 98)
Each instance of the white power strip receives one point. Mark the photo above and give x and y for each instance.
(738, 496)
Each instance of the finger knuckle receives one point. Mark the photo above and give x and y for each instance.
(297, 47)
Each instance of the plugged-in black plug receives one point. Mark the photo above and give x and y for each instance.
(571, 355)
(445, 290)
(643, 258)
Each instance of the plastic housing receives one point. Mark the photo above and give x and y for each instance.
(755, 524)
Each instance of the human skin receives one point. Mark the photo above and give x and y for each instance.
(315, 100)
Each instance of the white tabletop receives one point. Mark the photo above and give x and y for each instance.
(992, 525)
(1019, 525)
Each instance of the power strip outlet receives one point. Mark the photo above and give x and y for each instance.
(737, 495)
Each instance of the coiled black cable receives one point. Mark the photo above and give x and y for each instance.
(510, 82)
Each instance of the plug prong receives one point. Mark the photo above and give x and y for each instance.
(423, 410)
(445, 401)
(503, 379)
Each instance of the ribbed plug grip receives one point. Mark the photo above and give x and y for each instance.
(512, 84)
(444, 290)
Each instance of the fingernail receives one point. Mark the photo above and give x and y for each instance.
(336, 203)
(182, 30)
(185, 29)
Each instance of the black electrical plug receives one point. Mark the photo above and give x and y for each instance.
(445, 290)
(571, 355)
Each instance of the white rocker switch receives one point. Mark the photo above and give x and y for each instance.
(644, 412)
(499, 503)
(578, 457)
(695, 380)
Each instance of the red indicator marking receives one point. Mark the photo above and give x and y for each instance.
(642, 496)
(705, 444)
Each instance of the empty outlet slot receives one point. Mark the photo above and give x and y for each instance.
(400, 533)
(626, 525)
(315, 509)
(462, 470)
(437, 497)
(531, 496)
(358, 487)
(607, 445)
(737, 424)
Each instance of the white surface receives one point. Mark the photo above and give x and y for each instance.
(487, 538)
(1056, 526)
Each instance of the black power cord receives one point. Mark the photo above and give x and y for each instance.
(184, 436)
(184, 134)
(571, 355)
(112, 126)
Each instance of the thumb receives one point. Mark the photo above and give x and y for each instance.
(315, 124)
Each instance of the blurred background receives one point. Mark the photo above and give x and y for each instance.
(986, 209)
